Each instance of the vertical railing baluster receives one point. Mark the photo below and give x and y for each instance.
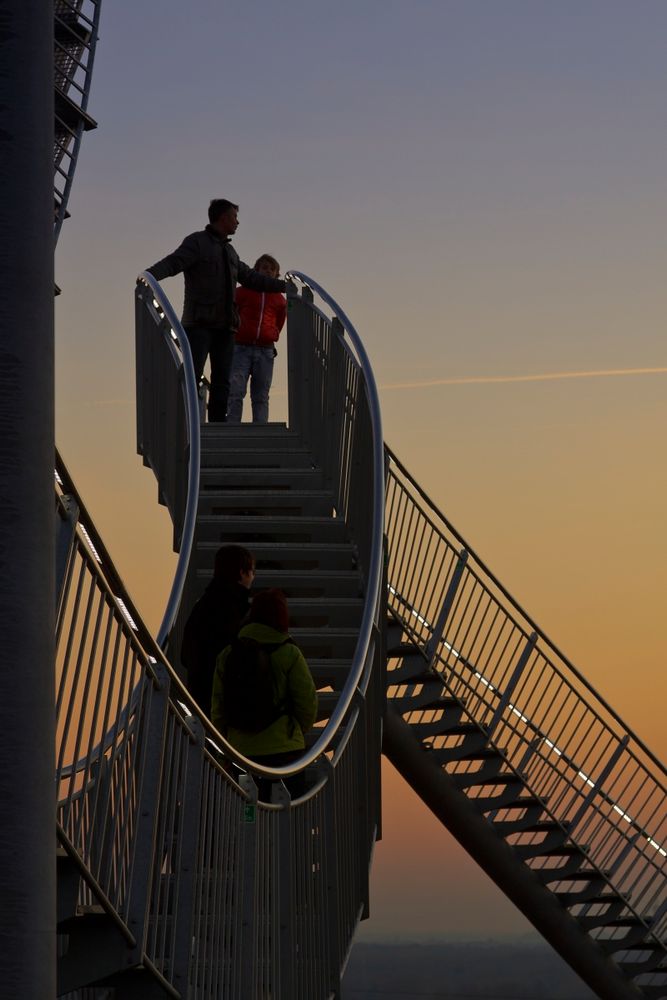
(508, 691)
(595, 786)
(148, 777)
(188, 869)
(250, 952)
(284, 878)
(433, 643)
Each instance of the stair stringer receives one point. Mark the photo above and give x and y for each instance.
(456, 812)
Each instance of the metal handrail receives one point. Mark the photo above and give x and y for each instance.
(533, 626)
(358, 676)
(375, 568)
(597, 780)
(178, 342)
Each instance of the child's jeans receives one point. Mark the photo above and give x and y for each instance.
(256, 364)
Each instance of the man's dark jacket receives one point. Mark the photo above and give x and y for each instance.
(213, 623)
(211, 269)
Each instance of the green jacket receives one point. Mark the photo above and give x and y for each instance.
(293, 684)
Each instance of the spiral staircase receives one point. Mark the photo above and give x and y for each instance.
(174, 880)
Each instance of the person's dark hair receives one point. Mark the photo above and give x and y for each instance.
(231, 561)
(269, 607)
(266, 257)
(218, 207)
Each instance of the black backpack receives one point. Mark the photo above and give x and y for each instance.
(249, 697)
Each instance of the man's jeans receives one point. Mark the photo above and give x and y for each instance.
(256, 364)
(219, 345)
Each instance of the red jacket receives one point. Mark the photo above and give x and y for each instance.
(262, 316)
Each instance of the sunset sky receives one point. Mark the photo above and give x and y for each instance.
(481, 185)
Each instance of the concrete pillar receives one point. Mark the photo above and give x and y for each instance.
(27, 834)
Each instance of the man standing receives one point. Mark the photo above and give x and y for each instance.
(212, 269)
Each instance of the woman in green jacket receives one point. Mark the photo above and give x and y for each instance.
(293, 695)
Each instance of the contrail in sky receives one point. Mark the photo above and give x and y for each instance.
(546, 377)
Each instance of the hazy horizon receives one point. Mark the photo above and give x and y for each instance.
(488, 970)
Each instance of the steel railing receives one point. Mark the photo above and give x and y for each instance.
(167, 398)
(570, 749)
(213, 892)
(76, 25)
(168, 415)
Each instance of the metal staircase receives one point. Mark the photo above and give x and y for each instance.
(75, 37)
(193, 888)
(259, 487)
(174, 880)
(523, 762)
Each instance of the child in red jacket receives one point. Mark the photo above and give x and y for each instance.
(262, 316)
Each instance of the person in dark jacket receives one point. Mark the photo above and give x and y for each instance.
(215, 619)
(212, 269)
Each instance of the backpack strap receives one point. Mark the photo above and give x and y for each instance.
(285, 706)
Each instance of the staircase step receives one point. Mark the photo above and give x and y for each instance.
(413, 669)
(334, 612)
(428, 729)
(336, 643)
(249, 530)
(329, 672)
(279, 456)
(648, 959)
(473, 740)
(511, 789)
(589, 885)
(468, 779)
(425, 696)
(250, 478)
(266, 503)
(247, 435)
(322, 584)
(397, 650)
(611, 908)
(529, 811)
(572, 858)
(545, 837)
(312, 584)
(636, 934)
(289, 556)
(488, 771)
(469, 750)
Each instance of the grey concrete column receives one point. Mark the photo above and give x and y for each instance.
(27, 834)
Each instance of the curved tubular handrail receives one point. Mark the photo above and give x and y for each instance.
(358, 676)
(376, 558)
(357, 679)
(192, 413)
(533, 626)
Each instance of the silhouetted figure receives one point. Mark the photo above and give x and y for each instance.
(294, 695)
(215, 619)
(212, 269)
(262, 317)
